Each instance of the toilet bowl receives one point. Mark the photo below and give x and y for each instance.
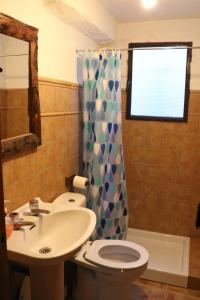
(114, 258)
(107, 267)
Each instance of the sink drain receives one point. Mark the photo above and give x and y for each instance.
(45, 250)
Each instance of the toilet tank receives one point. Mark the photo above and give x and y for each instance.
(70, 200)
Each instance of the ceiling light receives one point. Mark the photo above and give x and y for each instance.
(149, 3)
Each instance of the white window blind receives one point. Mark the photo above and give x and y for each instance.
(158, 83)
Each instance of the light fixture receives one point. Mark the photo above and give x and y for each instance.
(149, 3)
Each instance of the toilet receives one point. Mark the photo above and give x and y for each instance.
(106, 268)
(69, 200)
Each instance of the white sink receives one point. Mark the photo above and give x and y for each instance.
(61, 233)
(56, 237)
(54, 206)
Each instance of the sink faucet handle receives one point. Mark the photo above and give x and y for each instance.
(33, 204)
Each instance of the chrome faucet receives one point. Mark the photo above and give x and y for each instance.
(17, 223)
(34, 209)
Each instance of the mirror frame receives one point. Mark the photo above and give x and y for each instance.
(14, 28)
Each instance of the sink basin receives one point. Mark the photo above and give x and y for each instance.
(55, 238)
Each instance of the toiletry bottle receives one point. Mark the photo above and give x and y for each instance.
(9, 224)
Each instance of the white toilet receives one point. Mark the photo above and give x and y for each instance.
(69, 200)
(106, 268)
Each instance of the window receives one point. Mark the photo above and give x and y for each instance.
(158, 81)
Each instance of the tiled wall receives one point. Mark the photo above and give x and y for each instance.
(163, 172)
(14, 111)
(42, 172)
(2, 115)
(162, 162)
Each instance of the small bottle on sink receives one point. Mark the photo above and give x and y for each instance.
(8, 224)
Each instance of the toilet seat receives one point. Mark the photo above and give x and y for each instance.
(117, 254)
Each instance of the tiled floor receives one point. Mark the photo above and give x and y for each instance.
(147, 290)
(194, 269)
(141, 290)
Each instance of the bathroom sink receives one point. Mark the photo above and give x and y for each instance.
(55, 238)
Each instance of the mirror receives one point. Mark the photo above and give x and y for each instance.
(19, 97)
(14, 84)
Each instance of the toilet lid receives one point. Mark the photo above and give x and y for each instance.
(117, 254)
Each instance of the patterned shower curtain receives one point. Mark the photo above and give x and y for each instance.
(103, 161)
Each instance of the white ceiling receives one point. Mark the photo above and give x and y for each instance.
(133, 11)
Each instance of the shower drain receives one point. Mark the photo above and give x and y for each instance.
(45, 250)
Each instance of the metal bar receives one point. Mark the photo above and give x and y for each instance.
(136, 48)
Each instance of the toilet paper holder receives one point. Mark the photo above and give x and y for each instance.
(69, 182)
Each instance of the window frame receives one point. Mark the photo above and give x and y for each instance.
(129, 116)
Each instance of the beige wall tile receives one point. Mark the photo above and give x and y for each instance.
(47, 98)
(192, 125)
(42, 172)
(38, 160)
(3, 95)
(162, 171)
(74, 99)
(36, 186)
(162, 163)
(18, 193)
(17, 122)
(123, 101)
(17, 98)
(194, 103)
(62, 99)
(49, 183)
(14, 170)
(53, 127)
(67, 99)
(3, 116)
(61, 149)
(73, 123)
(14, 112)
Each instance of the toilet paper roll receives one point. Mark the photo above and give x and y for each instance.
(80, 182)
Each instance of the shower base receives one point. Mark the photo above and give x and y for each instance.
(169, 256)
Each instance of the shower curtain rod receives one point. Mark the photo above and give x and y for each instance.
(140, 48)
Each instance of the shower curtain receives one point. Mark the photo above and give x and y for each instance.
(103, 161)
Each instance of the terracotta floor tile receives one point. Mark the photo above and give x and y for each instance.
(179, 296)
(146, 290)
(175, 293)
